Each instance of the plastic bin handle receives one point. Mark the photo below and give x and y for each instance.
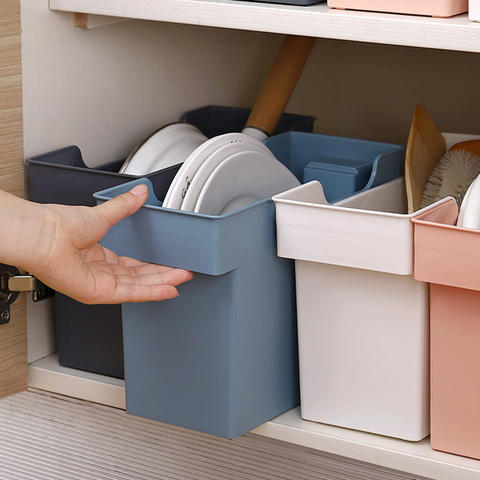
(385, 169)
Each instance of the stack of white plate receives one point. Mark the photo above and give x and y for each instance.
(469, 215)
(167, 146)
(223, 174)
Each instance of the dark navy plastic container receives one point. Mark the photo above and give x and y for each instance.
(89, 337)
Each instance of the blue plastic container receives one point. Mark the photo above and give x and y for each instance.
(222, 357)
(344, 166)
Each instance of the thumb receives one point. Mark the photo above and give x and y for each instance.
(123, 205)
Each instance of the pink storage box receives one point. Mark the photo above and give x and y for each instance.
(448, 257)
(434, 8)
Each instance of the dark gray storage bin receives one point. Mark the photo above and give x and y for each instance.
(214, 120)
(89, 337)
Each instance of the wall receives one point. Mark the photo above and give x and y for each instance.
(104, 89)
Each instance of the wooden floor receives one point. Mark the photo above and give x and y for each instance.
(43, 437)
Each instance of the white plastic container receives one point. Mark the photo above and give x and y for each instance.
(474, 10)
(362, 317)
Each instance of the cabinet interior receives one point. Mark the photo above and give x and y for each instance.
(104, 89)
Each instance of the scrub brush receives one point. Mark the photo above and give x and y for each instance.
(451, 176)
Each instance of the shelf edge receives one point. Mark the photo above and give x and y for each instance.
(456, 33)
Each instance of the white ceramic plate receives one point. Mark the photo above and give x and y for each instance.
(242, 179)
(181, 183)
(166, 147)
(210, 164)
(469, 216)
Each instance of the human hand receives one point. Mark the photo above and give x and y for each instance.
(59, 245)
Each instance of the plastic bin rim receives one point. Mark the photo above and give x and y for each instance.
(396, 146)
(85, 169)
(105, 195)
(430, 223)
(76, 169)
(229, 107)
(327, 206)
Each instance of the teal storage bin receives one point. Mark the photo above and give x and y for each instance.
(344, 166)
(222, 357)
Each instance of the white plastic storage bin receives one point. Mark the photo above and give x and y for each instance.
(362, 318)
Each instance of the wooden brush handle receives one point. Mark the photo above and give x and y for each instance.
(472, 146)
(280, 83)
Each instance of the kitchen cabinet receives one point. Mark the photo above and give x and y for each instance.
(13, 335)
(147, 62)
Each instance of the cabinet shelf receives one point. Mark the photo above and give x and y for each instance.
(456, 33)
(416, 458)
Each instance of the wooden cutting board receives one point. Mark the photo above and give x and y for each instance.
(425, 147)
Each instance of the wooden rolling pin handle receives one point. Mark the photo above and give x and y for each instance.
(280, 83)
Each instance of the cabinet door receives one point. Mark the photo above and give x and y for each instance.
(13, 336)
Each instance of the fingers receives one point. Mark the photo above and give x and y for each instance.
(123, 205)
(129, 280)
(151, 275)
(134, 293)
(146, 288)
(130, 268)
(131, 293)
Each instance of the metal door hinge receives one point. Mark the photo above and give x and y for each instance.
(12, 283)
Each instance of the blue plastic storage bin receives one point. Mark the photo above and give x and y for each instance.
(344, 166)
(89, 337)
(222, 357)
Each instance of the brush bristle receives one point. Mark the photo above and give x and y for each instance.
(452, 176)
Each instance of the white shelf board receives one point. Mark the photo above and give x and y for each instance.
(416, 458)
(47, 374)
(456, 33)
